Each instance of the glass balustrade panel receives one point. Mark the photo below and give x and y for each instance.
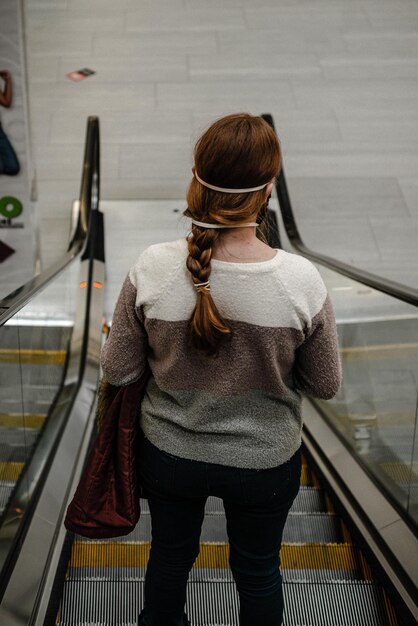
(34, 347)
(375, 410)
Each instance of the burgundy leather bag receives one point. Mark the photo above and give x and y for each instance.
(106, 501)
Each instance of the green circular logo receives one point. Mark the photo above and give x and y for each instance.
(10, 207)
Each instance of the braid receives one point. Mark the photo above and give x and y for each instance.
(238, 151)
(200, 253)
(207, 329)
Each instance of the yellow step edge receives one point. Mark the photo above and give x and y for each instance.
(365, 567)
(388, 419)
(390, 611)
(38, 357)
(10, 471)
(305, 476)
(329, 505)
(19, 420)
(214, 555)
(345, 532)
(382, 351)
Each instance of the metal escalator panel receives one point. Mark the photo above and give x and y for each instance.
(34, 347)
(326, 580)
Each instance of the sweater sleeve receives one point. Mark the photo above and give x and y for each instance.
(317, 369)
(124, 354)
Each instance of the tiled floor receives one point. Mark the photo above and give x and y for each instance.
(339, 77)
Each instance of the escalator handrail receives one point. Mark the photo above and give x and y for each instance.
(390, 287)
(89, 199)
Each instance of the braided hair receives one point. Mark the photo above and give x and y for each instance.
(237, 151)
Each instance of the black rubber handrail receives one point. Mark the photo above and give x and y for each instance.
(89, 199)
(390, 287)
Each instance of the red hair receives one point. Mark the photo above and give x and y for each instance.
(236, 151)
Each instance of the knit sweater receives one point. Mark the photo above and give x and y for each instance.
(243, 408)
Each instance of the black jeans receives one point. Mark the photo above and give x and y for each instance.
(256, 505)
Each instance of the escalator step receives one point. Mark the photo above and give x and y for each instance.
(337, 603)
(312, 528)
(35, 403)
(127, 561)
(357, 603)
(15, 444)
(37, 398)
(300, 528)
(210, 575)
(6, 488)
(309, 499)
(18, 436)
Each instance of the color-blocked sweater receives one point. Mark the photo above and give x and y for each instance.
(243, 408)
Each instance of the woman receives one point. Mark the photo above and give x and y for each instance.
(233, 331)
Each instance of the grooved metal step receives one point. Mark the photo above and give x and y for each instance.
(16, 444)
(33, 336)
(16, 437)
(118, 603)
(112, 574)
(35, 403)
(35, 394)
(300, 527)
(6, 488)
(308, 499)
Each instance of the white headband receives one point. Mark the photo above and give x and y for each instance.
(225, 189)
(206, 225)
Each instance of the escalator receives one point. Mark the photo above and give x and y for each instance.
(350, 537)
(326, 579)
(50, 331)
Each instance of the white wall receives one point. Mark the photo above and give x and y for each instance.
(19, 232)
